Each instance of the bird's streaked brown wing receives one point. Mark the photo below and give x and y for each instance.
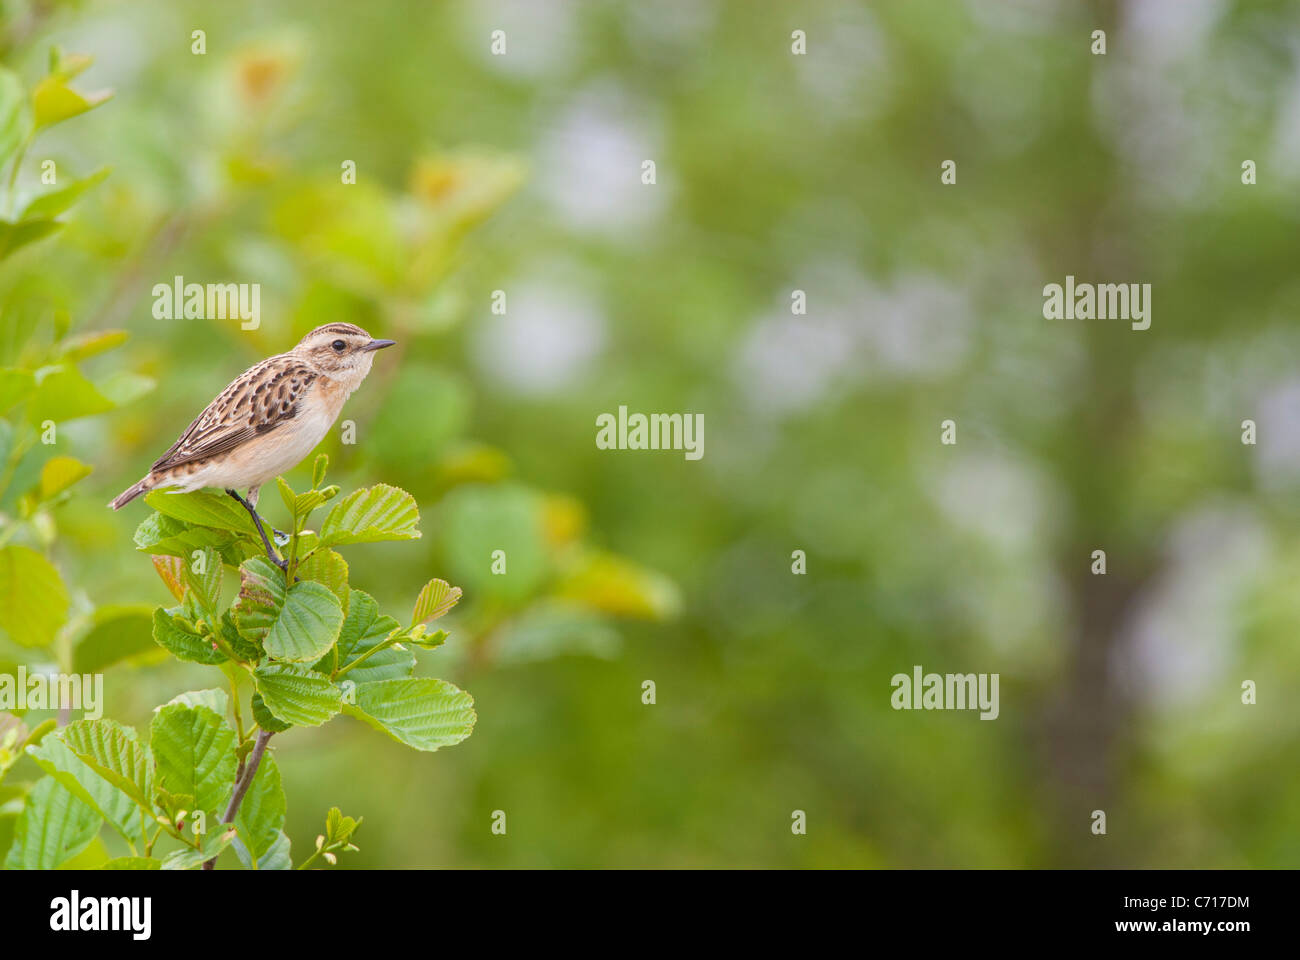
(264, 397)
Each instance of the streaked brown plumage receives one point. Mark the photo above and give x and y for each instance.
(268, 419)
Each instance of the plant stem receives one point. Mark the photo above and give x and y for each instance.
(242, 784)
(377, 648)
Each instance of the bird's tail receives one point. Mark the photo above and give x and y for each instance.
(131, 492)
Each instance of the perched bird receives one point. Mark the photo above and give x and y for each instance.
(267, 420)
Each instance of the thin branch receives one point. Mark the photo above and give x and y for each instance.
(242, 784)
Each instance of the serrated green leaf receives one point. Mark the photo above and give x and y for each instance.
(170, 632)
(328, 567)
(53, 827)
(246, 651)
(265, 719)
(33, 600)
(418, 711)
(215, 699)
(115, 753)
(435, 599)
(194, 749)
(370, 515)
(287, 496)
(202, 574)
(261, 816)
(297, 695)
(296, 625)
(57, 759)
(363, 629)
(204, 508)
(166, 536)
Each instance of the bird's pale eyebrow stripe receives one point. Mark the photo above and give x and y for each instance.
(340, 328)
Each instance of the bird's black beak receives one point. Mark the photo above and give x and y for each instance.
(378, 344)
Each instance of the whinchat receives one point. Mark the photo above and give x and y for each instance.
(267, 420)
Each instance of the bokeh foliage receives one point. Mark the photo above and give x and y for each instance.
(477, 174)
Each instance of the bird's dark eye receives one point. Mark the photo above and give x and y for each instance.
(339, 346)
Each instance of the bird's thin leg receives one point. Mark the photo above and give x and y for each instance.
(281, 538)
(252, 512)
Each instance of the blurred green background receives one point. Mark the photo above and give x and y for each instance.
(775, 172)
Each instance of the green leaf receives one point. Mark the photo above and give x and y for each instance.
(49, 205)
(116, 754)
(171, 632)
(328, 567)
(202, 576)
(52, 829)
(59, 473)
(246, 651)
(54, 101)
(261, 816)
(63, 393)
(204, 508)
(133, 863)
(298, 625)
(318, 468)
(215, 699)
(435, 599)
(191, 858)
(194, 749)
(166, 536)
(296, 695)
(117, 633)
(338, 828)
(287, 496)
(56, 758)
(33, 600)
(370, 515)
(419, 711)
(364, 629)
(279, 857)
(417, 636)
(265, 719)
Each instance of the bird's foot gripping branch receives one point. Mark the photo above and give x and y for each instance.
(297, 646)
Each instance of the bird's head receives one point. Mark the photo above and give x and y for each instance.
(341, 351)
